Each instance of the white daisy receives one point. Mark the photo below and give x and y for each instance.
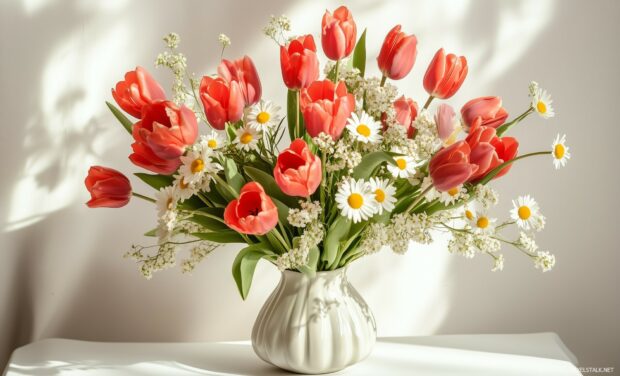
(481, 222)
(262, 115)
(405, 167)
(166, 200)
(469, 214)
(364, 128)
(431, 193)
(213, 141)
(560, 152)
(198, 165)
(541, 102)
(527, 214)
(247, 138)
(356, 200)
(452, 195)
(384, 194)
(184, 189)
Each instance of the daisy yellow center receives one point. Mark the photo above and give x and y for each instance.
(524, 212)
(469, 215)
(355, 200)
(401, 163)
(246, 138)
(558, 151)
(183, 184)
(197, 165)
(541, 107)
(212, 144)
(379, 195)
(262, 117)
(482, 222)
(363, 130)
(453, 191)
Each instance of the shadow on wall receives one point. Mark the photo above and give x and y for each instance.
(68, 56)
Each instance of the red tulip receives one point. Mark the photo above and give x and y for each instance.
(406, 112)
(244, 73)
(445, 75)
(298, 171)
(338, 33)
(300, 66)
(162, 136)
(137, 90)
(444, 118)
(223, 101)
(326, 108)
(489, 151)
(108, 188)
(253, 213)
(451, 166)
(485, 111)
(397, 54)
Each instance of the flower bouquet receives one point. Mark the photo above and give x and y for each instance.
(366, 169)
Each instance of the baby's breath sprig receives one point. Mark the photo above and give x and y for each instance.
(276, 29)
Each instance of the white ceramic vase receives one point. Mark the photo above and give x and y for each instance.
(314, 324)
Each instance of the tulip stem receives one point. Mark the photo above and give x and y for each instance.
(383, 79)
(505, 127)
(417, 200)
(297, 130)
(428, 102)
(336, 75)
(143, 197)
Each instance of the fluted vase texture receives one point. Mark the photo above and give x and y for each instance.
(314, 324)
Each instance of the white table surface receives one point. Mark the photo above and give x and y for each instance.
(479, 355)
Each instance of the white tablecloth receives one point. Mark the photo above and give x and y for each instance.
(479, 355)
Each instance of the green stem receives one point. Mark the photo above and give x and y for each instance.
(499, 168)
(143, 197)
(336, 75)
(226, 186)
(417, 200)
(428, 102)
(505, 127)
(383, 79)
(297, 128)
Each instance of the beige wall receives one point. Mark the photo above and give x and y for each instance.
(61, 271)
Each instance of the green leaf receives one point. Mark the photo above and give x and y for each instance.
(291, 113)
(282, 211)
(313, 259)
(233, 177)
(359, 54)
(152, 232)
(244, 266)
(270, 186)
(226, 236)
(209, 223)
(337, 233)
(156, 181)
(371, 161)
(126, 123)
(487, 178)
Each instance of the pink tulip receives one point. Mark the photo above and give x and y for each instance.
(162, 135)
(338, 33)
(300, 66)
(253, 213)
(444, 118)
(108, 188)
(489, 151)
(137, 90)
(406, 112)
(397, 54)
(451, 166)
(485, 111)
(445, 75)
(326, 108)
(244, 73)
(298, 171)
(223, 101)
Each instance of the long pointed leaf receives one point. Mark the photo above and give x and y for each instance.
(359, 54)
(126, 123)
(225, 236)
(270, 186)
(337, 233)
(371, 161)
(155, 181)
(244, 266)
